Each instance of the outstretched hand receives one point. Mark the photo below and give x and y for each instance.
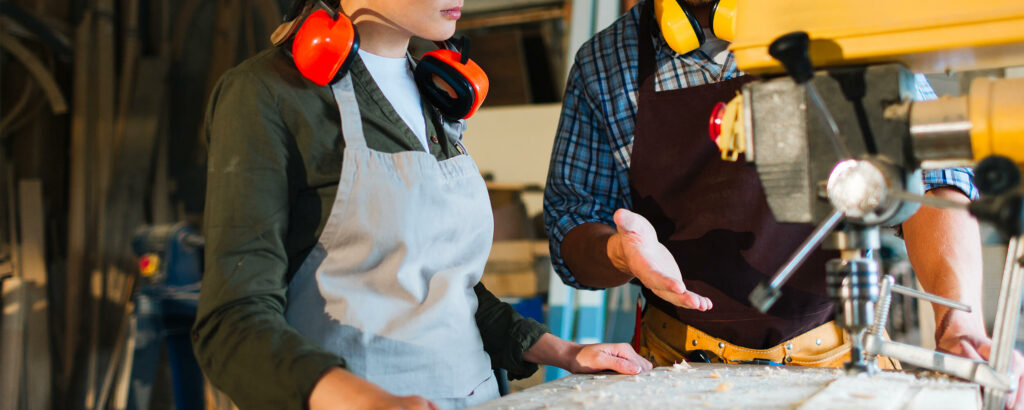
(635, 249)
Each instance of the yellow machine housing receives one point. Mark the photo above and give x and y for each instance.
(925, 36)
(996, 110)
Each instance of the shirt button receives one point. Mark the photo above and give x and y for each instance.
(433, 138)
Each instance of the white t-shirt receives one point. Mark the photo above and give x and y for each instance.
(394, 78)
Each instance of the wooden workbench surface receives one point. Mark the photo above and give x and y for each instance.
(745, 387)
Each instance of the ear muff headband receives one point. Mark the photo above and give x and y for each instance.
(723, 19)
(465, 77)
(679, 27)
(324, 47)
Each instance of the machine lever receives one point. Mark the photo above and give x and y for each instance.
(907, 291)
(932, 201)
(792, 50)
(765, 294)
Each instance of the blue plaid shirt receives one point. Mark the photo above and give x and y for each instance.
(588, 177)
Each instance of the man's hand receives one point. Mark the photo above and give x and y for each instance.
(634, 249)
(574, 357)
(339, 389)
(958, 333)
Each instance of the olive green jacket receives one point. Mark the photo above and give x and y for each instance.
(274, 162)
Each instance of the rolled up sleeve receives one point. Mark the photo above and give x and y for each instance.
(506, 334)
(583, 184)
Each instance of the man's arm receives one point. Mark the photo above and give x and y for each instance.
(944, 247)
(592, 244)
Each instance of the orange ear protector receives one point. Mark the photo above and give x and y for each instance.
(451, 81)
(324, 46)
(681, 30)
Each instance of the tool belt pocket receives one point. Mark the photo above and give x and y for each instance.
(666, 340)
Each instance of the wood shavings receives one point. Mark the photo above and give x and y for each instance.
(714, 375)
(674, 387)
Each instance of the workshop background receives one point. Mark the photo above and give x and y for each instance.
(102, 184)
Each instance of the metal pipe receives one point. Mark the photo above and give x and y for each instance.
(940, 130)
(806, 248)
(903, 290)
(764, 296)
(932, 201)
(972, 370)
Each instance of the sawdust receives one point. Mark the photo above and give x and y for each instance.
(674, 387)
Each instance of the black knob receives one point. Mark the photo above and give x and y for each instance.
(791, 51)
(995, 175)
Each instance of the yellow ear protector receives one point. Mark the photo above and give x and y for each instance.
(681, 30)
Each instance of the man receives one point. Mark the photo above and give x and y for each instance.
(636, 190)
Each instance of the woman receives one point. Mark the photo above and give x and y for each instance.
(347, 230)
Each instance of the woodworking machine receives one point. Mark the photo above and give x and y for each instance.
(839, 143)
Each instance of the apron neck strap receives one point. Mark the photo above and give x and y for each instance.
(351, 120)
(646, 70)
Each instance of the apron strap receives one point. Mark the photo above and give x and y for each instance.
(351, 120)
(646, 71)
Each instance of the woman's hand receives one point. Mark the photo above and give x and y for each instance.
(617, 357)
(577, 358)
(339, 389)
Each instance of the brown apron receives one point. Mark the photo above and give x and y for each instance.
(713, 217)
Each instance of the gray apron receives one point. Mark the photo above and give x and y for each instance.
(389, 285)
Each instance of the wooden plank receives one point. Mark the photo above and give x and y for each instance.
(78, 185)
(12, 337)
(33, 274)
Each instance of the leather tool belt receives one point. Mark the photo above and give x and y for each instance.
(664, 340)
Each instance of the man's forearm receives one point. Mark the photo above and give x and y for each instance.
(944, 247)
(585, 251)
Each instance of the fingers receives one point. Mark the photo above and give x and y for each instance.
(617, 357)
(616, 364)
(686, 299)
(627, 221)
(625, 351)
(697, 302)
